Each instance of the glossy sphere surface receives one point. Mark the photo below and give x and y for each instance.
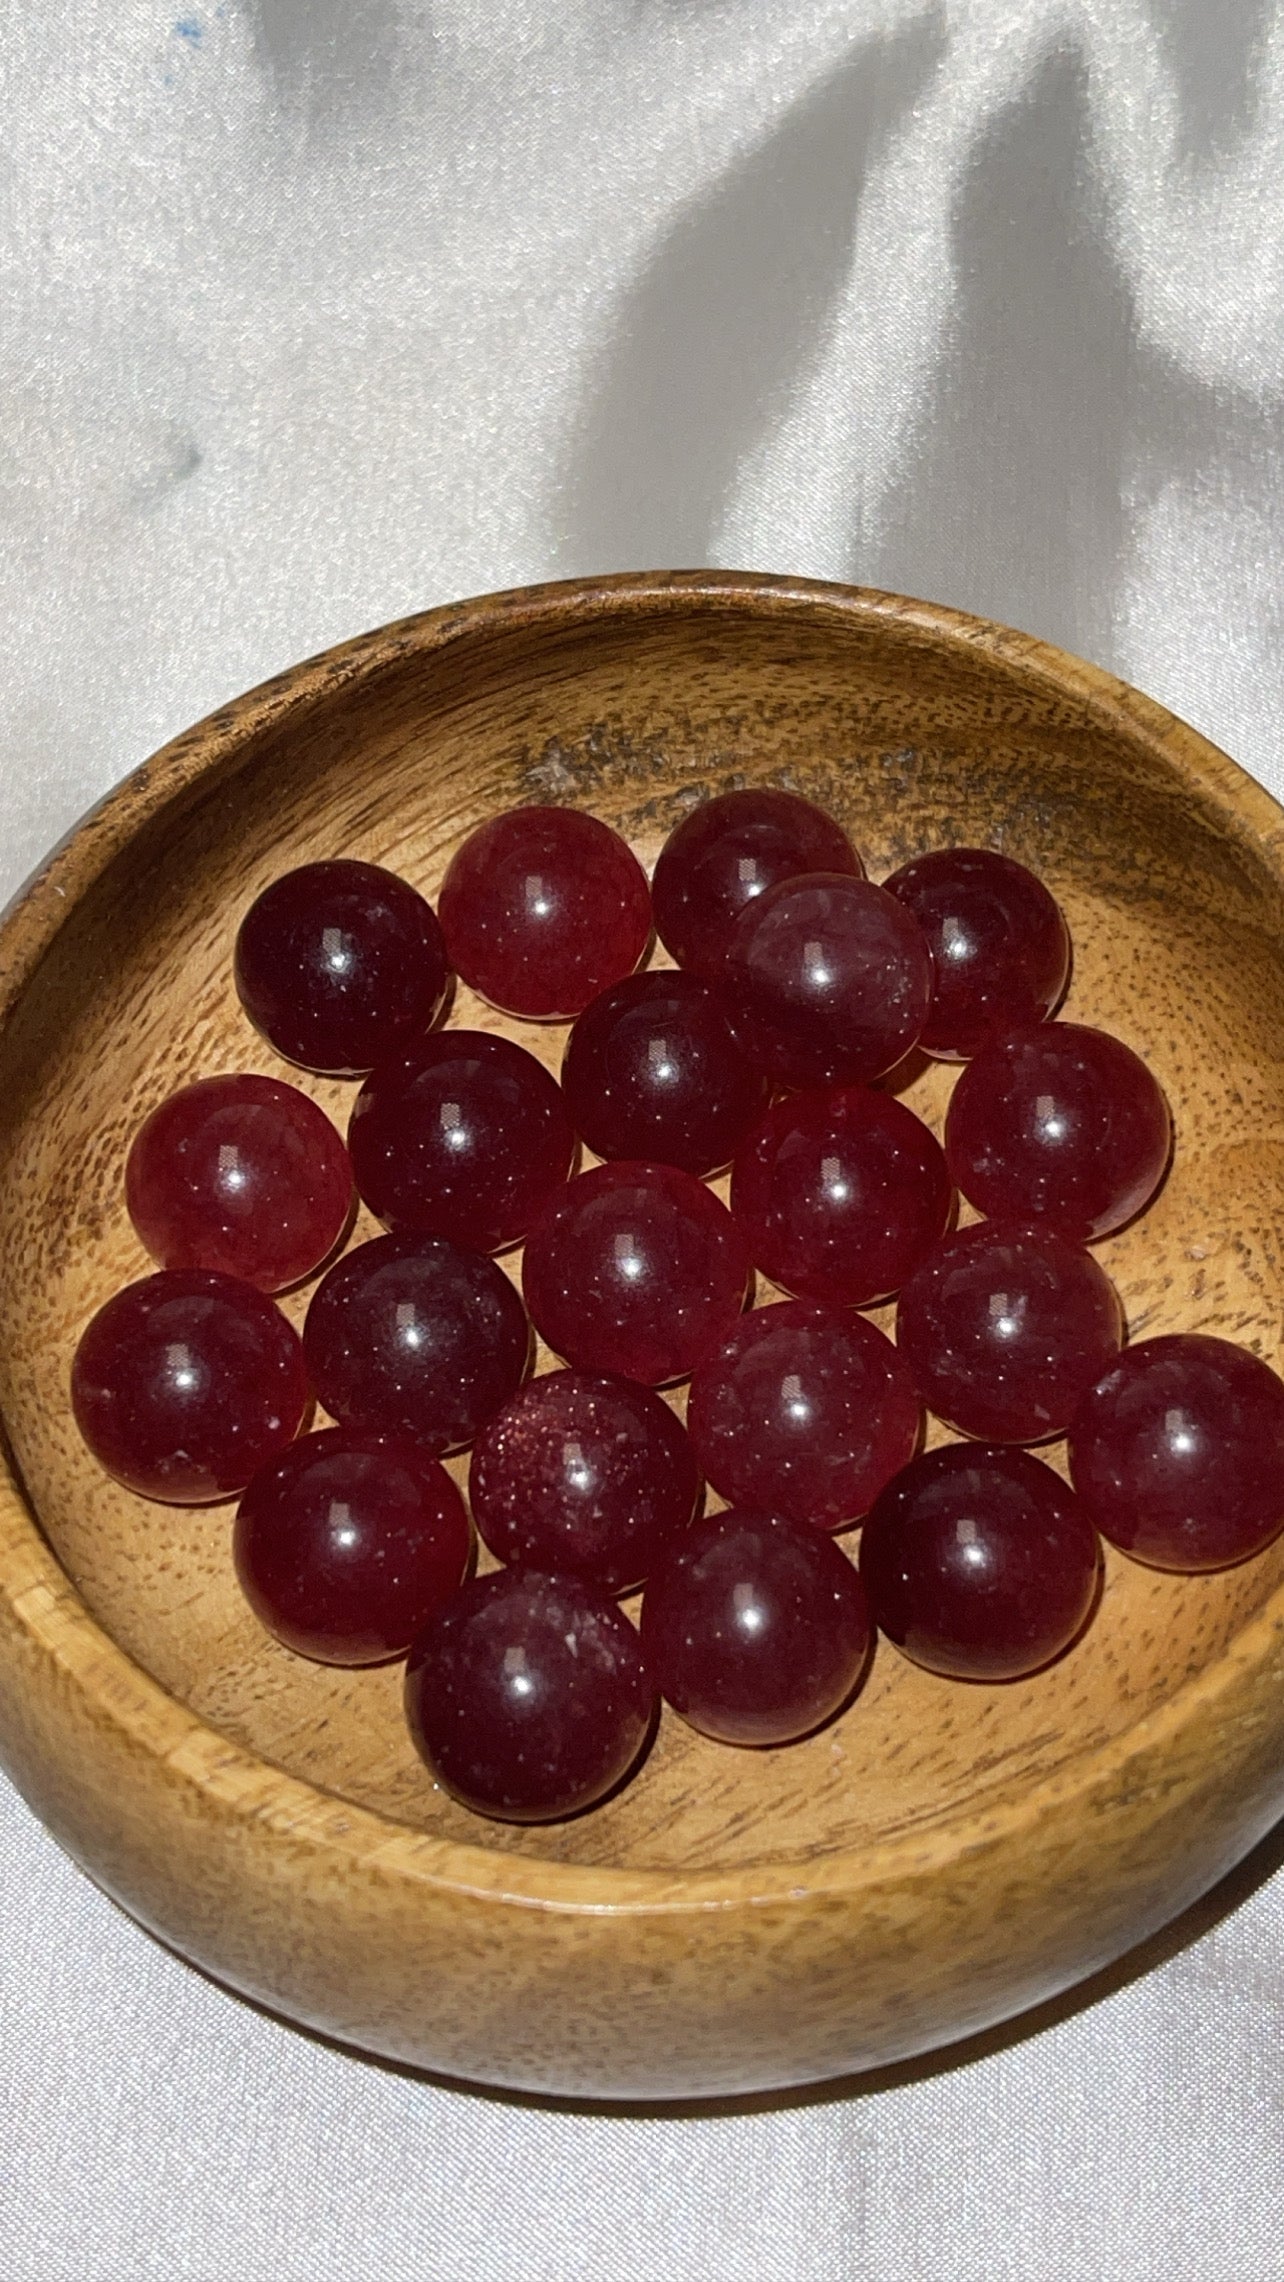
(463, 1137)
(652, 1071)
(1178, 1453)
(979, 1562)
(826, 981)
(242, 1174)
(804, 1411)
(637, 1270)
(1005, 1330)
(583, 1476)
(528, 1695)
(1058, 1124)
(338, 963)
(410, 1335)
(999, 943)
(542, 908)
(841, 1194)
(728, 852)
(755, 1627)
(185, 1384)
(347, 1544)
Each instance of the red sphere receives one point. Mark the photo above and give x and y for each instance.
(413, 1337)
(756, 1628)
(583, 1476)
(241, 1174)
(841, 1194)
(185, 1384)
(1000, 946)
(542, 908)
(463, 1137)
(805, 1412)
(1058, 1124)
(1178, 1453)
(528, 1695)
(1005, 1330)
(348, 1543)
(652, 1072)
(637, 1270)
(979, 1562)
(339, 963)
(826, 980)
(729, 851)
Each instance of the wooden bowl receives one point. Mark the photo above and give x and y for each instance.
(942, 1856)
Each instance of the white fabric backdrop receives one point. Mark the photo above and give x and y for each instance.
(319, 311)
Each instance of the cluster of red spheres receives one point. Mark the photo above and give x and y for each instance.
(799, 985)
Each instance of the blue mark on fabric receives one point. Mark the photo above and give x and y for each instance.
(190, 28)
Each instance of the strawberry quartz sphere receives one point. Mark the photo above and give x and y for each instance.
(242, 1174)
(414, 1337)
(729, 851)
(804, 1411)
(637, 1270)
(528, 1695)
(825, 980)
(542, 908)
(652, 1071)
(1178, 1453)
(1006, 1329)
(841, 1194)
(348, 1543)
(1062, 1125)
(1000, 946)
(463, 1137)
(338, 963)
(755, 1627)
(185, 1384)
(979, 1562)
(583, 1476)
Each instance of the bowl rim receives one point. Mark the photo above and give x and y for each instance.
(41, 1596)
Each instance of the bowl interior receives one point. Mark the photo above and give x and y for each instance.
(916, 731)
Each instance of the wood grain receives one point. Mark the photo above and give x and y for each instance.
(943, 1855)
